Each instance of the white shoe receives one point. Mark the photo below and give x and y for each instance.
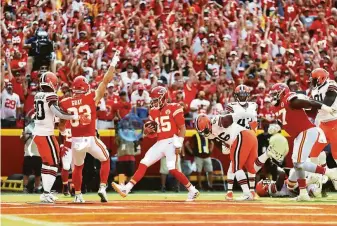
(332, 174)
(102, 193)
(245, 197)
(120, 189)
(192, 195)
(47, 198)
(79, 198)
(303, 197)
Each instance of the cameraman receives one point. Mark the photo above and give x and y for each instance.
(41, 51)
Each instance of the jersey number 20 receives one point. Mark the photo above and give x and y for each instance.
(39, 110)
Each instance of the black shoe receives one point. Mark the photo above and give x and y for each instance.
(65, 190)
(25, 190)
(37, 191)
(72, 192)
(177, 189)
(163, 189)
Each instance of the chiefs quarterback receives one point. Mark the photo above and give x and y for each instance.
(289, 110)
(325, 90)
(242, 142)
(241, 104)
(46, 108)
(167, 122)
(85, 101)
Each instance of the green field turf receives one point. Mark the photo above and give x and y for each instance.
(155, 195)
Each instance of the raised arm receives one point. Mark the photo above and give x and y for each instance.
(297, 103)
(107, 78)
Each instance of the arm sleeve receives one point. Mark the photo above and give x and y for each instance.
(61, 114)
(178, 116)
(332, 86)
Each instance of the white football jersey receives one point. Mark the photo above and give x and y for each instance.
(9, 103)
(224, 135)
(137, 100)
(235, 107)
(215, 68)
(44, 117)
(318, 94)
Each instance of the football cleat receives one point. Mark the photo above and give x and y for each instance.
(120, 189)
(65, 190)
(79, 198)
(303, 197)
(229, 196)
(102, 193)
(245, 197)
(192, 195)
(47, 198)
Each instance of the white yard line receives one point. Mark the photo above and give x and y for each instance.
(21, 220)
(180, 213)
(205, 222)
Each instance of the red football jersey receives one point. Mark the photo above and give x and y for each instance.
(78, 105)
(169, 119)
(294, 121)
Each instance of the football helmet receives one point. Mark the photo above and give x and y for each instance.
(80, 85)
(262, 188)
(159, 97)
(241, 94)
(203, 125)
(49, 79)
(318, 77)
(277, 92)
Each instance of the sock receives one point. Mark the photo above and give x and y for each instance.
(137, 176)
(251, 179)
(105, 170)
(182, 179)
(273, 188)
(242, 180)
(230, 179)
(48, 175)
(302, 186)
(260, 161)
(313, 168)
(64, 176)
(77, 178)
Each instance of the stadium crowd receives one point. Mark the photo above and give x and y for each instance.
(201, 50)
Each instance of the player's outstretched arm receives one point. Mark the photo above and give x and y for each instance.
(297, 103)
(59, 113)
(107, 78)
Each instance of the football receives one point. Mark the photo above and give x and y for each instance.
(150, 128)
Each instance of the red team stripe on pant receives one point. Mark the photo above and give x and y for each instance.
(241, 182)
(50, 172)
(301, 146)
(101, 147)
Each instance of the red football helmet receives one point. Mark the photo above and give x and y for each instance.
(318, 77)
(159, 97)
(203, 125)
(241, 94)
(277, 92)
(262, 189)
(49, 79)
(80, 85)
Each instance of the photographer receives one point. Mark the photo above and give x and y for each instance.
(41, 51)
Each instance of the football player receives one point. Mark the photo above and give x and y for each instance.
(324, 90)
(167, 122)
(46, 108)
(84, 137)
(242, 142)
(241, 104)
(289, 110)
